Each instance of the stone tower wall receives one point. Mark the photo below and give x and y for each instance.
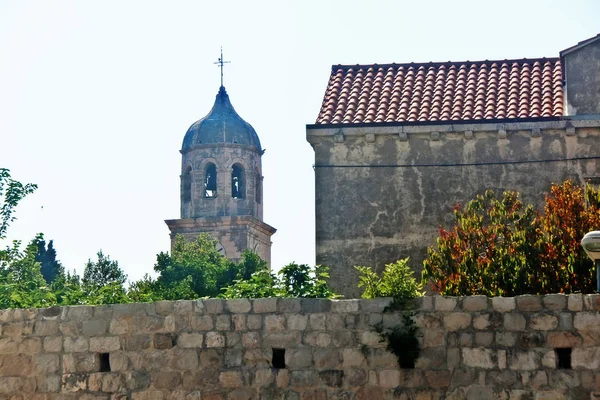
(224, 156)
(472, 348)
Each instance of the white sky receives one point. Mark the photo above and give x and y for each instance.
(96, 96)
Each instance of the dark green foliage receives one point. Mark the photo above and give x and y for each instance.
(46, 256)
(402, 340)
(294, 280)
(21, 282)
(102, 272)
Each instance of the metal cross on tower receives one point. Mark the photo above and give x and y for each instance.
(221, 63)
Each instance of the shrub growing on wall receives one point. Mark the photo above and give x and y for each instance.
(397, 280)
(500, 247)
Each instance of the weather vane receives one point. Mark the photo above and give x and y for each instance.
(220, 63)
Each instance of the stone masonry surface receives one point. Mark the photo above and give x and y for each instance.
(472, 348)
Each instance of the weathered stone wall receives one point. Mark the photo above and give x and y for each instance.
(472, 348)
(382, 192)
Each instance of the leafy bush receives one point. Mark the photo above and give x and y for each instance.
(500, 247)
(294, 280)
(397, 280)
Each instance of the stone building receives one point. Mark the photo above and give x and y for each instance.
(398, 145)
(222, 183)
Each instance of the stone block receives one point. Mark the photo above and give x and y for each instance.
(223, 322)
(343, 339)
(215, 339)
(549, 359)
(254, 322)
(213, 306)
(163, 307)
(453, 358)
(345, 306)
(514, 322)
(164, 341)
(506, 339)
(503, 304)
(211, 359)
(374, 305)
(239, 306)
(479, 358)
(74, 382)
(80, 362)
(22, 364)
(332, 377)
(317, 322)
(527, 360)
(137, 342)
(289, 305)
(189, 340)
(335, 322)
(282, 339)
(202, 322)
(268, 305)
(45, 328)
(233, 358)
(297, 322)
(502, 359)
(563, 339)
(147, 323)
(442, 303)
(529, 303)
(565, 321)
(353, 358)
(75, 345)
(585, 358)
(587, 321)
(182, 307)
(52, 344)
(251, 340)
(543, 322)
(389, 378)
(456, 321)
(555, 302)
(475, 303)
(233, 340)
(484, 339)
(263, 377)
(590, 338)
(326, 358)
(591, 302)
(438, 379)
(166, 380)
(299, 358)
(239, 322)
(105, 344)
(303, 378)
(119, 326)
(428, 320)
(575, 302)
(371, 339)
(274, 323)
(434, 338)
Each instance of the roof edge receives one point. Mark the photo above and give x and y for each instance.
(440, 63)
(579, 45)
(425, 123)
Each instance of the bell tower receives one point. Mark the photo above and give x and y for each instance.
(222, 183)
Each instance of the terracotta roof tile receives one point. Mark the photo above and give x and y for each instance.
(443, 92)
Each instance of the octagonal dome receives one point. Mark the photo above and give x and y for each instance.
(221, 125)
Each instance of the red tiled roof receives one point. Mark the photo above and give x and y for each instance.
(449, 91)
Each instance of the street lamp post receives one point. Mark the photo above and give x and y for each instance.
(591, 245)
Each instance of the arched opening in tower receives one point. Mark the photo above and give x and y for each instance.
(210, 180)
(187, 185)
(237, 182)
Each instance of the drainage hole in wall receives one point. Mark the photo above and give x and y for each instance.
(104, 362)
(563, 356)
(278, 358)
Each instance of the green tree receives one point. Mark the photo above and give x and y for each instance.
(11, 193)
(103, 281)
(46, 256)
(21, 282)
